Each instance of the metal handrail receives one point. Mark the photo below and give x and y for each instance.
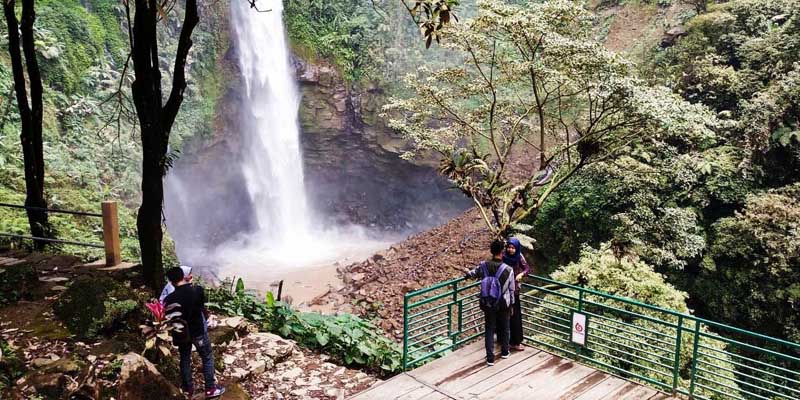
(51, 210)
(635, 340)
(110, 244)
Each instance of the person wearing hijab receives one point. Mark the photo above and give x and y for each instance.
(513, 257)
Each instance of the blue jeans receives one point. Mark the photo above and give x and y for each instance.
(499, 321)
(203, 346)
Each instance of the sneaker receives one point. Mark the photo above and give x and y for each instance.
(187, 392)
(489, 363)
(518, 347)
(505, 355)
(216, 391)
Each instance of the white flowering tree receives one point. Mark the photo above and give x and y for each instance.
(533, 82)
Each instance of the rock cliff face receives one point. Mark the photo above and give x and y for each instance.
(353, 171)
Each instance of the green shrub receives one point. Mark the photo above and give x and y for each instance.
(345, 337)
(12, 366)
(97, 305)
(16, 282)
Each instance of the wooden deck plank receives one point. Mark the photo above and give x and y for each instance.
(530, 375)
(397, 386)
(441, 368)
(547, 382)
(602, 389)
(423, 392)
(504, 375)
(630, 391)
(583, 385)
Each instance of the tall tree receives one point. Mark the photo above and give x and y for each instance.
(30, 113)
(156, 119)
(530, 73)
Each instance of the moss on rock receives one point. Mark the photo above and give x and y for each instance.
(97, 305)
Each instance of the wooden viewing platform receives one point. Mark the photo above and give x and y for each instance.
(530, 375)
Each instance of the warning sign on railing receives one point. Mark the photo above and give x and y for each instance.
(579, 329)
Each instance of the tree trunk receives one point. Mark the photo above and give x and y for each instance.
(156, 123)
(30, 114)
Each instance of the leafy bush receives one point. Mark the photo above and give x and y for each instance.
(16, 282)
(345, 337)
(12, 366)
(236, 300)
(97, 305)
(632, 343)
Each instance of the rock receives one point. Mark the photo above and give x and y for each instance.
(357, 277)
(672, 35)
(95, 305)
(58, 288)
(51, 386)
(221, 334)
(257, 367)
(228, 359)
(291, 374)
(53, 279)
(234, 392)
(41, 362)
(235, 322)
(139, 379)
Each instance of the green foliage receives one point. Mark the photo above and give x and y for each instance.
(345, 337)
(752, 271)
(84, 37)
(17, 282)
(643, 352)
(341, 30)
(12, 366)
(92, 306)
(474, 116)
(233, 299)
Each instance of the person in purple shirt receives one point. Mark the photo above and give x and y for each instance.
(513, 257)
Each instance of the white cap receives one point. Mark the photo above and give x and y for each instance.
(187, 270)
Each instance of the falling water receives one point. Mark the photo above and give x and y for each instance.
(272, 163)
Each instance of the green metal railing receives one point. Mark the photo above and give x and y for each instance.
(671, 351)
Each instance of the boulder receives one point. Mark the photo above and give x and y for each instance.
(139, 379)
(95, 305)
(51, 386)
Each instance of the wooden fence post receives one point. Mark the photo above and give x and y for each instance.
(111, 233)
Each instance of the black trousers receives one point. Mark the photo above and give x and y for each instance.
(496, 320)
(516, 322)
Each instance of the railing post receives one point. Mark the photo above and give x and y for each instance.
(450, 315)
(694, 357)
(111, 233)
(676, 365)
(405, 331)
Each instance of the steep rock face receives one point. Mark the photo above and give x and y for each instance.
(353, 170)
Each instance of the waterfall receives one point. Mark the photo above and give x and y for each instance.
(272, 162)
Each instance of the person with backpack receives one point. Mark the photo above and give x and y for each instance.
(190, 301)
(496, 299)
(513, 257)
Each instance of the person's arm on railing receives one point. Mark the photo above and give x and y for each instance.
(476, 273)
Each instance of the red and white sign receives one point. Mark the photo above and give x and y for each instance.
(579, 329)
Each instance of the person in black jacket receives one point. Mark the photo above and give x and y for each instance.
(497, 318)
(192, 302)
